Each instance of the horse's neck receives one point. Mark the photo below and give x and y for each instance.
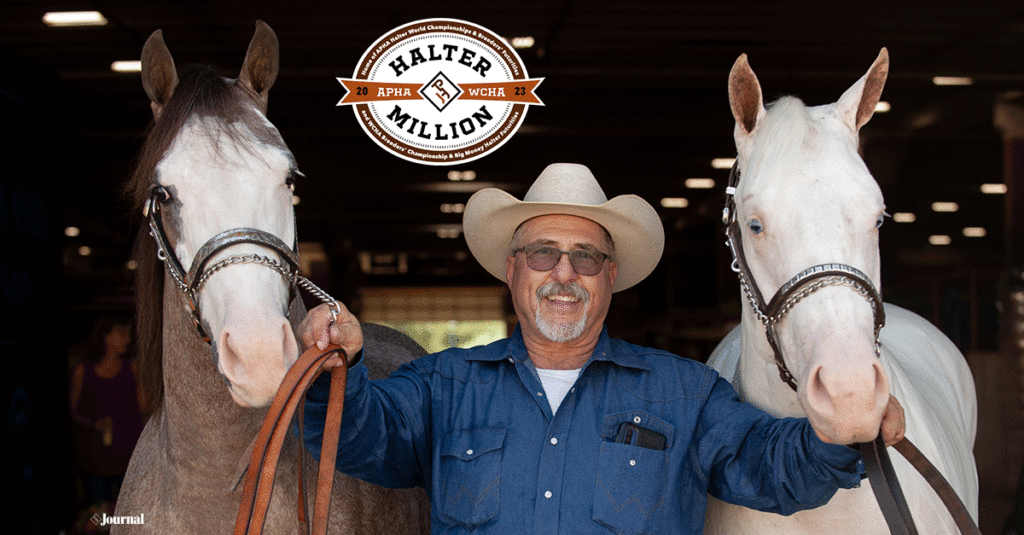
(204, 428)
(757, 376)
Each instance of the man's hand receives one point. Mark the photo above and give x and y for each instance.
(894, 422)
(316, 328)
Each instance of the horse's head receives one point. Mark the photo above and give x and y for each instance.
(805, 198)
(224, 167)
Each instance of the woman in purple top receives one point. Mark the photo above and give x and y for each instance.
(106, 410)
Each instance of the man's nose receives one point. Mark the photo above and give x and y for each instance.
(563, 270)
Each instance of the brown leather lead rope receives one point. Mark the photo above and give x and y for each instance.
(259, 478)
(890, 496)
(946, 493)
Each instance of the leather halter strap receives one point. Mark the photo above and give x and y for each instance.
(192, 282)
(259, 478)
(803, 284)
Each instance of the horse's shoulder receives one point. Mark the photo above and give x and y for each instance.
(385, 349)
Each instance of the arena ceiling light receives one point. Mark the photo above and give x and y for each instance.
(723, 163)
(974, 232)
(523, 42)
(945, 206)
(700, 183)
(952, 80)
(126, 66)
(904, 217)
(882, 107)
(74, 18)
(939, 239)
(674, 202)
(993, 189)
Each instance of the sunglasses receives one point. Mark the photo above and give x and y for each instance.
(545, 258)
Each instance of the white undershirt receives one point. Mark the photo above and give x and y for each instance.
(556, 384)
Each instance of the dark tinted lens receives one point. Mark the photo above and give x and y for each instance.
(585, 262)
(542, 258)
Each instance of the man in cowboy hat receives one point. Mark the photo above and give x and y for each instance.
(560, 428)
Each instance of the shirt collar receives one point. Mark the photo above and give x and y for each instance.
(515, 348)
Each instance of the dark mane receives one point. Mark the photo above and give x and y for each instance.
(201, 92)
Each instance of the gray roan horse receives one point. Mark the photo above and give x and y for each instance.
(213, 163)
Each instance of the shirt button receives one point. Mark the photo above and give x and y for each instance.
(636, 419)
(547, 494)
(541, 394)
(632, 462)
(469, 452)
(554, 440)
(512, 360)
(573, 389)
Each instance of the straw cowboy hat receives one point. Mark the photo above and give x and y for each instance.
(492, 216)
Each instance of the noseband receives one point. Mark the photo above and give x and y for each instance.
(192, 282)
(803, 284)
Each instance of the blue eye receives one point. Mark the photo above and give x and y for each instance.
(755, 226)
(881, 219)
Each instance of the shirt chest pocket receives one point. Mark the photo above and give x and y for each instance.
(629, 491)
(471, 476)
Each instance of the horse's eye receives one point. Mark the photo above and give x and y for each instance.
(289, 180)
(755, 226)
(881, 219)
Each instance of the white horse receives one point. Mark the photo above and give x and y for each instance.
(805, 198)
(216, 178)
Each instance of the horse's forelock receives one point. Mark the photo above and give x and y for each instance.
(787, 134)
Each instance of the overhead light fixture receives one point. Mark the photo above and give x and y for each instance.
(904, 217)
(723, 163)
(952, 80)
(974, 232)
(939, 239)
(74, 18)
(71, 232)
(882, 107)
(448, 232)
(132, 265)
(85, 250)
(674, 202)
(994, 189)
(453, 208)
(296, 200)
(126, 66)
(456, 176)
(945, 206)
(522, 42)
(700, 183)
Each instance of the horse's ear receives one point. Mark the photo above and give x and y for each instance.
(857, 104)
(259, 70)
(745, 96)
(159, 77)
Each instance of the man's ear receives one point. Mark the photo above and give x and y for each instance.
(510, 267)
(613, 272)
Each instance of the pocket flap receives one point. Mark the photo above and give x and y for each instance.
(468, 445)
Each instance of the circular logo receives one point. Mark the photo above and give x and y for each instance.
(440, 91)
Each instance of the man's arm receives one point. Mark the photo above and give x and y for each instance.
(384, 435)
(756, 460)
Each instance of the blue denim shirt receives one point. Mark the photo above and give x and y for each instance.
(474, 428)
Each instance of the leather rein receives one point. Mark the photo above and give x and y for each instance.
(289, 400)
(885, 485)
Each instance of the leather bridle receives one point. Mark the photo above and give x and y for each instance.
(192, 282)
(885, 485)
(803, 284)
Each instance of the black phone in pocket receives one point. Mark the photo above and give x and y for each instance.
(630, 433)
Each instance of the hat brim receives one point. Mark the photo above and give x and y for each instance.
(492, 216)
